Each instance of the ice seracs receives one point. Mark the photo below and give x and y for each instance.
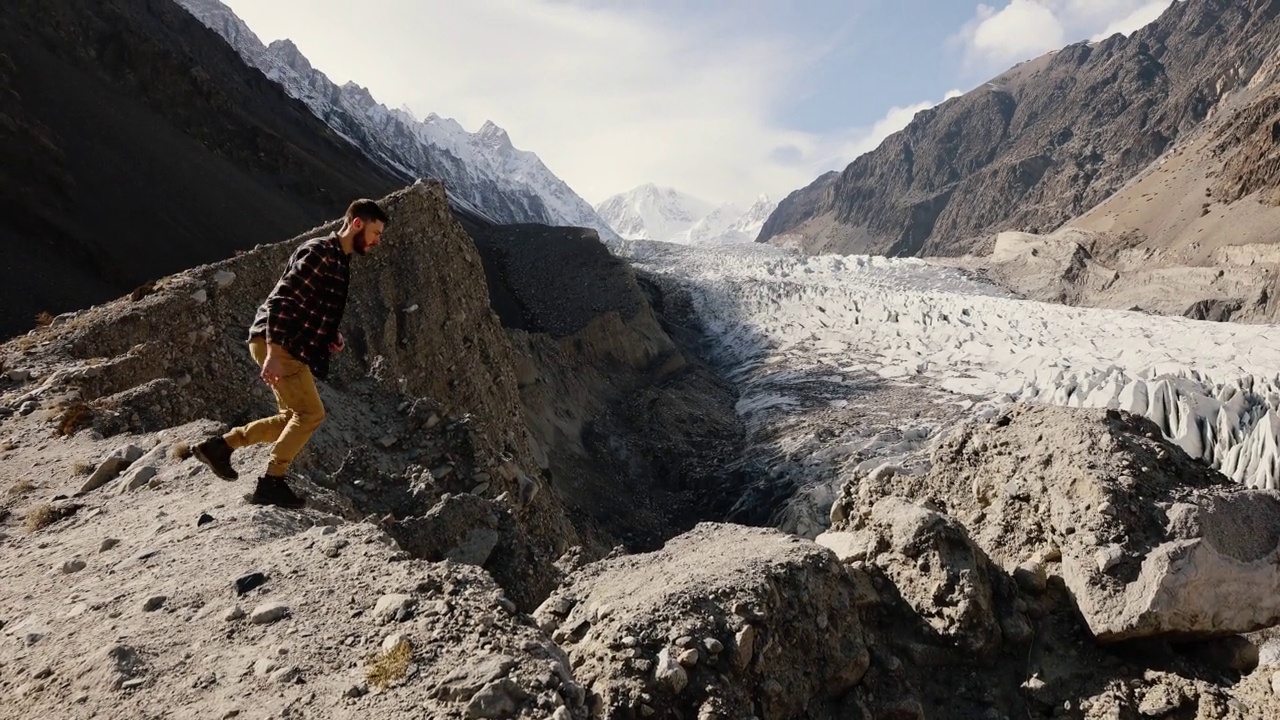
(790, 324)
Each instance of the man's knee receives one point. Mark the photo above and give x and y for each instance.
(311, 418)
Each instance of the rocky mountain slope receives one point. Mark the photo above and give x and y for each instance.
(137, 144)
(482, 170)
(1192, 234)
(1054, 137)
(650, 212)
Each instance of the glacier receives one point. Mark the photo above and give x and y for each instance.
(848, 362)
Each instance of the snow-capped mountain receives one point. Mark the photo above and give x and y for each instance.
(650, 212)
(482, 171)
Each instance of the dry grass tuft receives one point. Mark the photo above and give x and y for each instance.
(73, 418)
(180, 451)
(389, 667)
(22, 487)
(82, 468)
(41, 517)
(44, 318)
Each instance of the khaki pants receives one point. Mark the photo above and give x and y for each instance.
(301, 412)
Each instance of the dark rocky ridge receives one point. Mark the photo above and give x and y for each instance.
(137, 143)
(1039, 144)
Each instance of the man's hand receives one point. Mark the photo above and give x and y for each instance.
(272, 367)
(340, 345)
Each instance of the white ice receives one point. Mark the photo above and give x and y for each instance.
(1212, 388)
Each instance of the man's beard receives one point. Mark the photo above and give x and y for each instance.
(361, 242)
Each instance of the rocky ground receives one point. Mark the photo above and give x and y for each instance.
(455, 562)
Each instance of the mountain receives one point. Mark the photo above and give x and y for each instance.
(1042, 143)
(650, 212)
(136, 143)
(482, 170)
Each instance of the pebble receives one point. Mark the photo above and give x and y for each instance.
(630, 641)
(264, 667)
(200, 296)
(107, 544)
(286, 675)
(1275, 683)
(154, 602)
(713, 646)
(670, 673)
(233, 613)
(224, 278)
(685, 641)
(268, 613)
(355, 691)
(245, 583)
(1031, 577)
(73, 565)
(19, 375)
(1109, 557)
(744, 646)
(27, 407)
(393, 607)
(688, 658)
(392, 641)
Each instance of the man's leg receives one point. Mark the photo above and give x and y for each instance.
(266, 430)
(297, 392)
(216, 451)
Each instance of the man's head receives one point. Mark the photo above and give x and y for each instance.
(365, 221)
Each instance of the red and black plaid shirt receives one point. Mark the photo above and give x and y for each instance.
(303, 310)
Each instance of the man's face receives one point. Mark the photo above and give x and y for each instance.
(368, 235)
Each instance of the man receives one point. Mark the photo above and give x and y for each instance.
(293, 334)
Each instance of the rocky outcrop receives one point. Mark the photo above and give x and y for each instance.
(1041, 143)
(137, 144)
(724, 621)
(1150, 543)
(418, 315)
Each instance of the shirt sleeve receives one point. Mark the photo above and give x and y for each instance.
(285, 304)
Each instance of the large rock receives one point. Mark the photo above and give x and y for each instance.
(937, 569)
(664, 631)
(1152, 543)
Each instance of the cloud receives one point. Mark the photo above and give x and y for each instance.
(610, 95)
(1000, 36)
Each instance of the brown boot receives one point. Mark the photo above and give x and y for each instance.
(216, 453)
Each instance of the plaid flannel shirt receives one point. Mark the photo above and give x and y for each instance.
(303, 310)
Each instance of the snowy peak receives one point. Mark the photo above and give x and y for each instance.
(290, 56)
(652, 212)
(484, 172)
(493, 137)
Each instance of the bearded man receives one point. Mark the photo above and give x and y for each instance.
(292, 336)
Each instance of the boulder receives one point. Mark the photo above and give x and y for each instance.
(780, 609)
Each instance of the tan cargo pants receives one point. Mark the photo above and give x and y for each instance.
(301, 412)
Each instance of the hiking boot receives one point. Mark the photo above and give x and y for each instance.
(216, 453)
(273, 490)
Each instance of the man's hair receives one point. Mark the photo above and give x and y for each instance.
(367, 210)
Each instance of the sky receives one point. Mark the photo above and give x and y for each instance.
(722, 99)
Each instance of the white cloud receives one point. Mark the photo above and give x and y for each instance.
(998, 37)
(1141, 17)
(608, 96)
